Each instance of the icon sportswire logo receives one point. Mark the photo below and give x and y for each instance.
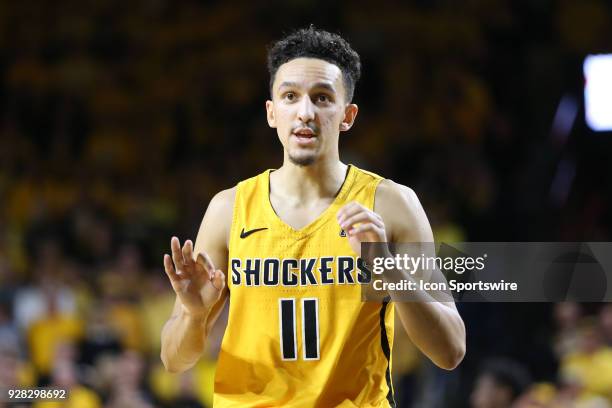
(244, 234)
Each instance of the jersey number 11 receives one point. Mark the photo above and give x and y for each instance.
(310, 328)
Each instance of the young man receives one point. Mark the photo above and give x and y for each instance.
(499, 384)
(298, 333)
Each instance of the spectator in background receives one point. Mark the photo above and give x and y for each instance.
(9, 335)
(589, 366)
(48, 333)
(605, 322)
(12, 369)
(65, 376)
(100, 337)
(499, 384)
(567, 316)
(31, 302)
(127, 387)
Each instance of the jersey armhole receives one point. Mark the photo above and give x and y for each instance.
(233, 227)
(374, 187)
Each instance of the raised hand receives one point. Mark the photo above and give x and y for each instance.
(361, 225)
(196, 282)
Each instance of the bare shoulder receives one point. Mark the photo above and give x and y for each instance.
(392, 196)
(217, 220)
(389, 191)
(223, 202)
(402, 212)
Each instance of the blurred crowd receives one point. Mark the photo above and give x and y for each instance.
(120, 120)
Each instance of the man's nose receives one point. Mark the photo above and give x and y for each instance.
(306, 110)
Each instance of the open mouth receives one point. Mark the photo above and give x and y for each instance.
(304, 136)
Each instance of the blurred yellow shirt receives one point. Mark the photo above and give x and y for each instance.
(593, 371)
(46, 334)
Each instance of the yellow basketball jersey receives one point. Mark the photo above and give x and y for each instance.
(298, 334)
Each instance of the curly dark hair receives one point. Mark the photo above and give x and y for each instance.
(314, 43)
(507, 373)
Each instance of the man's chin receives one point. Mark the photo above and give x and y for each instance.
(303, 160)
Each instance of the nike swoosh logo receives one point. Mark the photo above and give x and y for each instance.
(244, 234)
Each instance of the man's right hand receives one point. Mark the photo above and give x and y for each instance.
(196, 282)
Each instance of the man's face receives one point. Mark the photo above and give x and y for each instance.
(488, 393)
(309, 109)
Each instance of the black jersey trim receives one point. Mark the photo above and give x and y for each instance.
(384, 344)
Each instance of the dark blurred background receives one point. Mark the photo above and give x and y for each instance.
(120, 120)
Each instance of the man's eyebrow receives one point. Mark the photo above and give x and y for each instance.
(324, 85)
(288, 85)
(318, 85)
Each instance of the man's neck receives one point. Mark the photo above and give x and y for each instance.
(304, 184)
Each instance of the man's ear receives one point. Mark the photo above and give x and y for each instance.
(350, 113)
(270, 114)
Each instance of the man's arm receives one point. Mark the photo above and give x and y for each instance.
(198, 278)
(436, 328)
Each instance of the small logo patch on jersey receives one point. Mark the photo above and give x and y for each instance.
(342, 233)
(244, 234)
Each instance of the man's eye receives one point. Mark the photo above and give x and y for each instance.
(290, 96)
(322, 98)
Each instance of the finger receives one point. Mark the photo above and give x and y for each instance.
(349, 210)
(341, 212)
(205, 262)
(209, 263)
(365, 227)
(217, 284)
(169, 268)
(218, 280)
(353, 211)
(201, 261)
(362, 217)
(361, 228)
(177, 255)
(188, 253)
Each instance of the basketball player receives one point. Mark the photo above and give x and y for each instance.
(288, 240)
